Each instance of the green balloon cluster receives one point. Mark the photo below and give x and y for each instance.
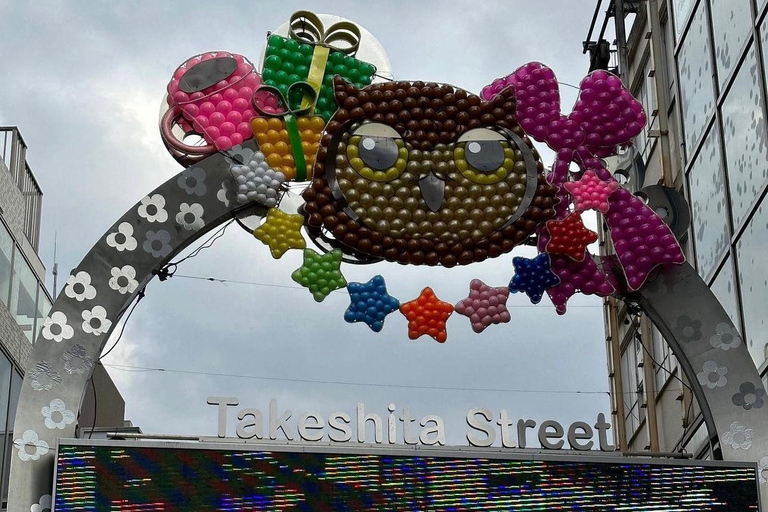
(321, 273)
(287, 61)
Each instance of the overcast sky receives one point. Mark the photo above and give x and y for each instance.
(84, 82)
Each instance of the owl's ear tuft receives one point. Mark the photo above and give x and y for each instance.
(504, 95)
(342, 89)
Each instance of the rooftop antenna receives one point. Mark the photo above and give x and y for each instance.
(55, 265)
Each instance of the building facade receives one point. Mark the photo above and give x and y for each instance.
(25, 300)
(699, 68)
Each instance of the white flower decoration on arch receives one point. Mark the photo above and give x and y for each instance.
(43, 377)
(158, 243)
(238, 155)
(712, 375)
(55, 328)
(190, 216)
(30, 446)
(123, 279)
(226, 193)
(192, 181)
(725, 337)
(762, 470)
(79, 287)
(57, 416)
(99, 314)
(44, 504)
(76, 360)
(738, 437)
(123, 239)
(152, 208)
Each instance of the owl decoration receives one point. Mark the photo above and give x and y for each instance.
(422, 173)
(427, 174)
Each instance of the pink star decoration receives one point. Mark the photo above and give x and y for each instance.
(590, 192)
(484, 305)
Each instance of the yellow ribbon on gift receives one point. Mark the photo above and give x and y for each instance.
(306, 27)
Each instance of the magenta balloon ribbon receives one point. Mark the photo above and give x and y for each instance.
(604, 118)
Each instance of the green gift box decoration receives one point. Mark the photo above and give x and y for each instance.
(312, 54)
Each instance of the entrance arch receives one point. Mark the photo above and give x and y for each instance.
(200, 198)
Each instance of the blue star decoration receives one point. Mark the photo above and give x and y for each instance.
(533, 276)
(370, 303)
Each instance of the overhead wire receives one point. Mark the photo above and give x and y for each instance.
(634, 316)
(291, 287)
(142, 369)
(170, 269)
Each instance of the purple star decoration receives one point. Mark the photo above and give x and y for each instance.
(484, 305)
(533, 276)
(370, 303)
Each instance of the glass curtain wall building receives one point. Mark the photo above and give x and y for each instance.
(710, 80)
(24, 300)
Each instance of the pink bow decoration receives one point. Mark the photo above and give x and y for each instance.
(604, 118)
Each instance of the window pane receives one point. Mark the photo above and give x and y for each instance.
(15, 391)
(5, 386)
(23, 295)
(751, 251)
(696, 89)
(668, 55)
(731, 21)
(6, 253)
(682, 9)
(706, 188)
(746, 147)
(725, 290)
(13, 402)
(43, 307)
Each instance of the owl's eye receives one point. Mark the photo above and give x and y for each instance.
(484, 156)
(377, 152)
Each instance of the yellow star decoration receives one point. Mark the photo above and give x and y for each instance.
(281, 231)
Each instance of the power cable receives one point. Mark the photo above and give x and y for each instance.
(170, 269)
(95, 407)
(634, 316)
(143, 369)
(271, 285)
(633, 313)
(142, 293)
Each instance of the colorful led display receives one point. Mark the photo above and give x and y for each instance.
(117, 476)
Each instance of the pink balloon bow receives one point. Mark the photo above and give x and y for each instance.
(605, 117)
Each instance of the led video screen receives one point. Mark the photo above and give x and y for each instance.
(110, 476)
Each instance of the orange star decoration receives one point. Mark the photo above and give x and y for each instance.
(427, 315)
(569, 237)
(281, 231)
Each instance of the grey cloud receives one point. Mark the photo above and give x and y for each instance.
(84, 82)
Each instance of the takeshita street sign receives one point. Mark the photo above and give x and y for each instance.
(414, 172)
(484, 427)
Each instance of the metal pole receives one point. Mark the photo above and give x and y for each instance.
(621, 40)
(662, 82)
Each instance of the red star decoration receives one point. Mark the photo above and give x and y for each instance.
(569, 237)
(427, 315)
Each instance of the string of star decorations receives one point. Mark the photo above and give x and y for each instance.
(370, 303)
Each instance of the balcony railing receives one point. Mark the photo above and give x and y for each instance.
(14, 154)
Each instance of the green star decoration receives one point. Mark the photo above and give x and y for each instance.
(320, 273)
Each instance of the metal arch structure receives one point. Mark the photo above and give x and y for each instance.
(200, 198)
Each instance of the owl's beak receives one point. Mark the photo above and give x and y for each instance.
(432, 189)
